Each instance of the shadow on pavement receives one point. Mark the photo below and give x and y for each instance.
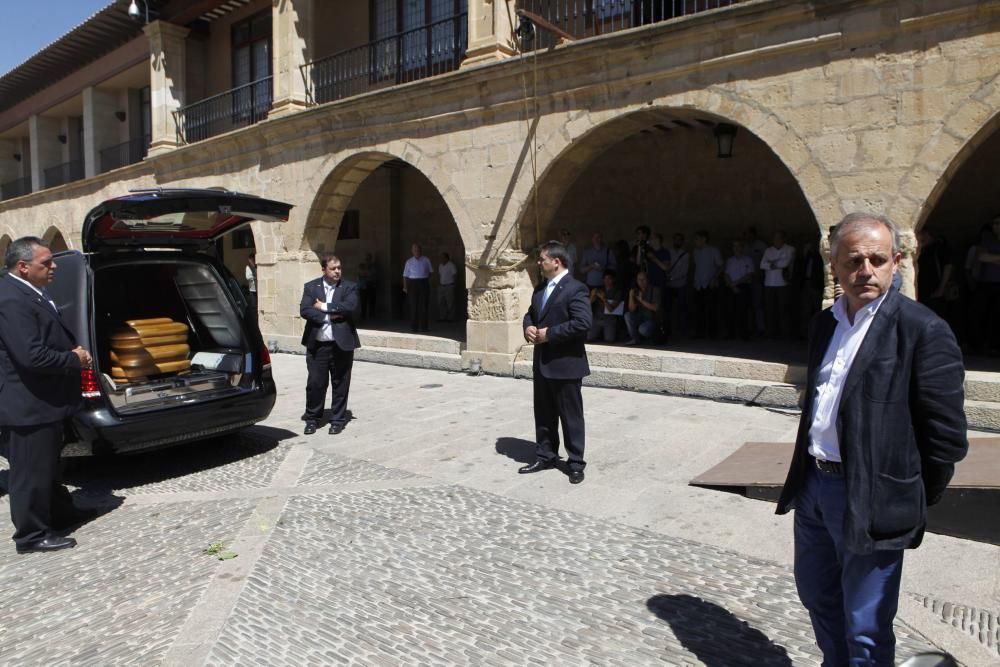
(518, 449)
(716, 636)
(101, 475)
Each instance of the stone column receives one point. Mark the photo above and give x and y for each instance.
(167, 85)
(499, 297)
(292, 45)
(491, 37)
(100, 127)
(46, 151)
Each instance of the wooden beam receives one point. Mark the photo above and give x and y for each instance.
(545, 25)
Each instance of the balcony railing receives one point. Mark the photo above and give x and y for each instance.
(125, 153)
(11, 189)
(63, 173)
(239, 107)
(406, 56)
(586, 18)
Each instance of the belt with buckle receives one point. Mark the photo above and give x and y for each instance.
(831, 467)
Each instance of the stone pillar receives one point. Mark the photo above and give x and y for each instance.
(167, 63)
(100, 127)
(491, 31)
(292, 45)
(499, 297)
(46, 151)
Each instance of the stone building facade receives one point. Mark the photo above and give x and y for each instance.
(853, 104)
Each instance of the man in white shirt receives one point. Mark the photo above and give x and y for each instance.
(882, 427)
(446, 289)
(777, 267)
(417, 287)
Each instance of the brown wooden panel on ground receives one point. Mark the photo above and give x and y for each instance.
(766, 464)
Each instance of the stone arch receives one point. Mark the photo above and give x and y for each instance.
(338, 187)
(972, 122)
(393, 204)
(571, 147)
(55, 239)
(5, 241)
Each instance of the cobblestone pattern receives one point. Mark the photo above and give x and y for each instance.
(223, 464)
(982, 625)
(330, 469)
(448, 575)
(122, 596)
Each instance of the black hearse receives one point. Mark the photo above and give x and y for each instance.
(151, 255)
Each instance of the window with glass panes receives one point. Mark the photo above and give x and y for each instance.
(251, 44)
(416, 38)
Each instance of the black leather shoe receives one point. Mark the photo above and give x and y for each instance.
(336, 428)
(51, 543)
(310, 428)
(537, 466)
(575, 477)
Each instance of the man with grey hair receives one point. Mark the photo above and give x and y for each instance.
(40, 366)
(881, 430)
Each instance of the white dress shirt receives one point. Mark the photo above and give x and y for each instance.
(824, 442)
(447, 273)
(773, 262)
(550, 286)
(418, 268)
(326, 333)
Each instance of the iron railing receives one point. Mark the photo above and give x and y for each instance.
(586, 18)
(410, 55)
(235, 108)
(17, 188)
(125, 153)
(63, 173)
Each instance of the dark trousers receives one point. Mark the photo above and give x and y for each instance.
(559, 401)
(326, 364)
(739, 311)
(675, 312)
(705, 312)
(984, 324)
(418, 293)
(851, 598)
(36, 496)
(367, 298)
(776, 305)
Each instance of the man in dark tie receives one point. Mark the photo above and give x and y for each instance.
(557, 324)
(881, 430)
(40, 365)
(330, 337)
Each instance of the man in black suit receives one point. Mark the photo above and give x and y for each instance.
(40, 365)
(330, 337)
(881, 430)
(557, 324)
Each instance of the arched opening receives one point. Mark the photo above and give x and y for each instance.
(958, 231)
(55, 239)
(662, 169)
(370, 211)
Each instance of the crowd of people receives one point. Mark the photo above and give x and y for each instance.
(651, 293)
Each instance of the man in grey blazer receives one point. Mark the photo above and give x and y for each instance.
(881, 430)
(328, 305)
(557, 324)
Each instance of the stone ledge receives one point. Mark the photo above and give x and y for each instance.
(409, 341)
(415, 359)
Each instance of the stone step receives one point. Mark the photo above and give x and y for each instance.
(743, 390)
(686, 363)
(983, 415)
(981, 386)
(393, 356)
(409, 341)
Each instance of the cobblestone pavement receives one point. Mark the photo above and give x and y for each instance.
(350, 552)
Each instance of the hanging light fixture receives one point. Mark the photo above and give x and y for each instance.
(724, 135)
